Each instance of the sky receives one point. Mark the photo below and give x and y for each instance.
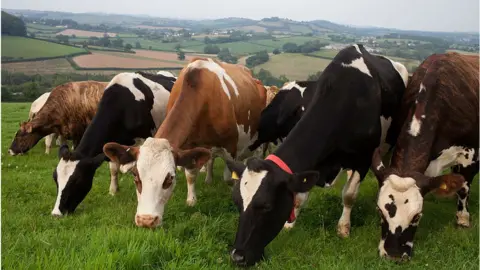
(429, 15)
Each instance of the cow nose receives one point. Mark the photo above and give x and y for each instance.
(10, 151)
(237, 258)
(147, 221)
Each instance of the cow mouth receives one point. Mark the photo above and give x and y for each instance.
(13, 153)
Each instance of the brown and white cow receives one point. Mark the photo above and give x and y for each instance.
(439, 130)
(34, 108)
(212, 105)
(67, 112)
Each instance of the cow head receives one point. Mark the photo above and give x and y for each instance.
(73, 177)
(25, 138)
(279, 117)
(400, 205)
(263, 194)
(153, 165)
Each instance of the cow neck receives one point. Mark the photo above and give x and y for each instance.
(282, 165)
(180, 120)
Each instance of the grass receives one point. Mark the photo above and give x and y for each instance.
(102, 235)
(293, 65)
(26, 48)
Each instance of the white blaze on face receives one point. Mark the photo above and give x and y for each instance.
(219, 71)
(249, 184)
(155, 161)
(65, 169)
(452, 156)
(405, 195)
(359, 64)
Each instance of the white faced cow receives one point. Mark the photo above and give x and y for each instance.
(133, 106)
(340, 129)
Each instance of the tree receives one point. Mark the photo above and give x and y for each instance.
(226, 56)
(62, 38)
(177, 47)
(290, 47)
(314, 77)
(180, 55)
(118, 43)
(137, 45)
(257, 59)
(211, 49)
(74, 36)
(128, 47)
(13, 26)
(276, 51)
(32, 91)
(32, 35)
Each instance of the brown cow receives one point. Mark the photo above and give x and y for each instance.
(439, 129)
(67, 112)
(213, 105)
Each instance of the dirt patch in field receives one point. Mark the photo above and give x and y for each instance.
(82, 33)
(48, 67)
(98, 60)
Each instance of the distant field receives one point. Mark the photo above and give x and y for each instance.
(294, 66)
(43, 27)
(157, 27)
(326, 53)
(82, 33)
(47, 67)
(298, 28)
(101, 59)
(27, 48)
(254, 28)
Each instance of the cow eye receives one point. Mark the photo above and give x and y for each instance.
(168, 181)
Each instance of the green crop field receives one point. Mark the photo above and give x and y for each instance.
(101, 233)
(26, 48)
(294, 65)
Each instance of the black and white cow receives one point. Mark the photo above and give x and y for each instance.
(133, 106)
(340, 129)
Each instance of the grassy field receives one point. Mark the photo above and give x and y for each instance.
(26, 48)
(102, 235)
(293, 65)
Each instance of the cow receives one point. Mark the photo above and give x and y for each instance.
(213, 105)
(439, 130)
(34, 108)
(166, 74)
(340, 128)
(67, 112)
(132, 107)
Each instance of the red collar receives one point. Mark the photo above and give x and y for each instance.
(287, 169)
(279, 163)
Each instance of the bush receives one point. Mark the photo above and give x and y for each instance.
(257, 59)
(211, 49)
(276, 51)
(226, 56)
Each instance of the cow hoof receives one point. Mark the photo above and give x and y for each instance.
(191, 202)
(463, 219)
(288, 226)
(343, 230)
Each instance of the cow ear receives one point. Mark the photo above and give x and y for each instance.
(303, 182)
(126, 156)
(444, 185)
(377, 166)
(192, 158)
(236, 168)
(63, 151)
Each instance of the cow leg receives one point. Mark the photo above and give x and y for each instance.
(299, 201)
(114, 167)
(191, 175)
(463, 216)
(209, 169)
(48, 143)
(349, 194)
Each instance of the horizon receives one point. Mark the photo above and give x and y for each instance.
(462, 18)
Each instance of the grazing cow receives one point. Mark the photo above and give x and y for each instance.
(213, 104)
(133, 106)
(340, 129)
(67, 112)
(34, 108)
(439, 130)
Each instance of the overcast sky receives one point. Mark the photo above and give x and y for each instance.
(433, 15)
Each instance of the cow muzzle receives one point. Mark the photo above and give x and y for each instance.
(147, 221)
